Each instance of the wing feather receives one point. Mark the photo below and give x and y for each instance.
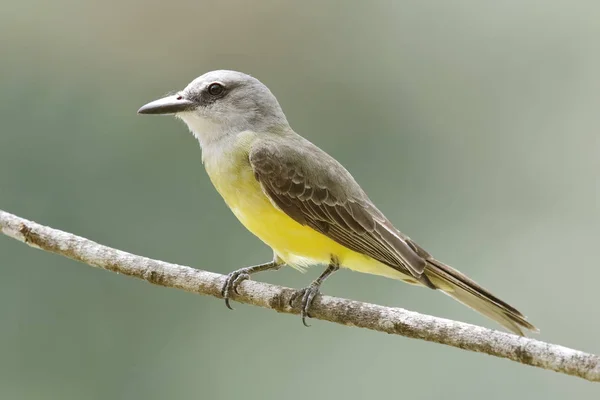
(315, 190)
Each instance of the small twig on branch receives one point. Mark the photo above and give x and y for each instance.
(346, 312)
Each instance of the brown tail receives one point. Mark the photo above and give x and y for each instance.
(468, 292)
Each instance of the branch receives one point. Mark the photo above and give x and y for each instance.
(395, 321)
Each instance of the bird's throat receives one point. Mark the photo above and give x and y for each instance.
(204, 129)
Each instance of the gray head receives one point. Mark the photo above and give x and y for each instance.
(222, 103)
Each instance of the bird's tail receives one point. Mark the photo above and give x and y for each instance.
(465, 290)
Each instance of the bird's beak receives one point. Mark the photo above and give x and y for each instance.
(168, 105)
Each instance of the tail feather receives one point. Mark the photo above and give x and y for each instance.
(468, 292)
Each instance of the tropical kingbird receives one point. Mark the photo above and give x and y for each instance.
(302, 202)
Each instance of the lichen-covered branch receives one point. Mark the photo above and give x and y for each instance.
(346, 312)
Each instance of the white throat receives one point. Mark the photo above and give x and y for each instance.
(205, 130)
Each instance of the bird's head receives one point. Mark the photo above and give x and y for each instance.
(221, 103)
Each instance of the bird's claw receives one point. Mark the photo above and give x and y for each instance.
(307, 295)
(231, 284)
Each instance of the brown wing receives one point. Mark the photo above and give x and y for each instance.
(315, 190)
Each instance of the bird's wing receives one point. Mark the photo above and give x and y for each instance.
(315, 190)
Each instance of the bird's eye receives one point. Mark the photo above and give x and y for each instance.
(215, 89)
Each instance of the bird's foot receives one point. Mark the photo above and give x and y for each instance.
(236, 277)
(307, 295)
(232, 282)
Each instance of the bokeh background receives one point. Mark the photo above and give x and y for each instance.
(472, 124)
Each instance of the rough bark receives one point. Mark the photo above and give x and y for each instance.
(342, 311)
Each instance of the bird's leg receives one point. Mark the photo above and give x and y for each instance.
(308, 293)
(236, 277)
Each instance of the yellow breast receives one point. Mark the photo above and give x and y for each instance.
(233, 177)
(298, 245)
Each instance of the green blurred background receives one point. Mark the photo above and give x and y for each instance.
(472, 124)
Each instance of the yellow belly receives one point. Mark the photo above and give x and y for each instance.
(298, 245)
(294, 243)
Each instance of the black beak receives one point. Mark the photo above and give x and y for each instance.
(168, 105)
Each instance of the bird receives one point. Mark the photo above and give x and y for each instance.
(300, 201)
